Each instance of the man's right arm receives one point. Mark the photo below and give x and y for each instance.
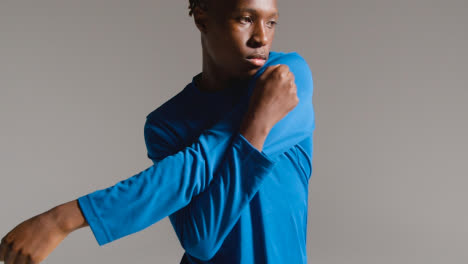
(171, 182)
(121, 205)
(149, 196)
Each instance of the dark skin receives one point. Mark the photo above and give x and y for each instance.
(231, 30)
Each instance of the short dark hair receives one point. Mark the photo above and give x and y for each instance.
(195, 3)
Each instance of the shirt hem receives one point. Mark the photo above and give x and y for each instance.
(87, 208)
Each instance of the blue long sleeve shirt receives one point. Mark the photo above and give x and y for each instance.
(228, 202)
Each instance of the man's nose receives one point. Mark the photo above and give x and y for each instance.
(259, 36)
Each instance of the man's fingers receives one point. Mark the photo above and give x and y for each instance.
(10, 255)
(21, 259)
(271, 68)
(268, 71)
(275, 67)
(3, 250)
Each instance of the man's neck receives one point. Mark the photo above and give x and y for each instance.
(233, 86)
(214, 78)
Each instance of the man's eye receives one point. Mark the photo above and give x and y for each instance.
(273, 23)
(245, 19)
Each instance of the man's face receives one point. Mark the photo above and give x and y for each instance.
(238, 30)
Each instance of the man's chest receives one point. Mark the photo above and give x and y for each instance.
(179, 124)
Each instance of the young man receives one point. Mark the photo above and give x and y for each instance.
(232, 155)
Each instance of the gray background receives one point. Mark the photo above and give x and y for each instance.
(77, 79)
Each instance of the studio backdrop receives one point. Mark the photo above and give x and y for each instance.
(389, 181)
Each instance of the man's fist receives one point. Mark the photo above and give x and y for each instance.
(274, 96)
(31, 241)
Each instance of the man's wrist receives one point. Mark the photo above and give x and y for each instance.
(254, 131)
(68, 216)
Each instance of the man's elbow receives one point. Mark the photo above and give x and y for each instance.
(203, 250)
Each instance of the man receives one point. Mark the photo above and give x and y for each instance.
(232, 155)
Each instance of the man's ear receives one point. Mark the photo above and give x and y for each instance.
(200, 17)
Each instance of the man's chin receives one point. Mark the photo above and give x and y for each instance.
(250, 73)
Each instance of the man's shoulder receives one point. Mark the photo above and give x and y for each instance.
(292, 57)
(171, 108)
(165, 130)
(297, 65)
(295, 61)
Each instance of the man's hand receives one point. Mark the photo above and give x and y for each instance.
(274, 96)
(32, 241)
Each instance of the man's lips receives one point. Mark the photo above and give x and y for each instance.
(257, 56)
(257, 59)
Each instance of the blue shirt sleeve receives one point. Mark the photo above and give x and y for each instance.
(145, 198)
(169, 185)
(299, 123)
(203, 225)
